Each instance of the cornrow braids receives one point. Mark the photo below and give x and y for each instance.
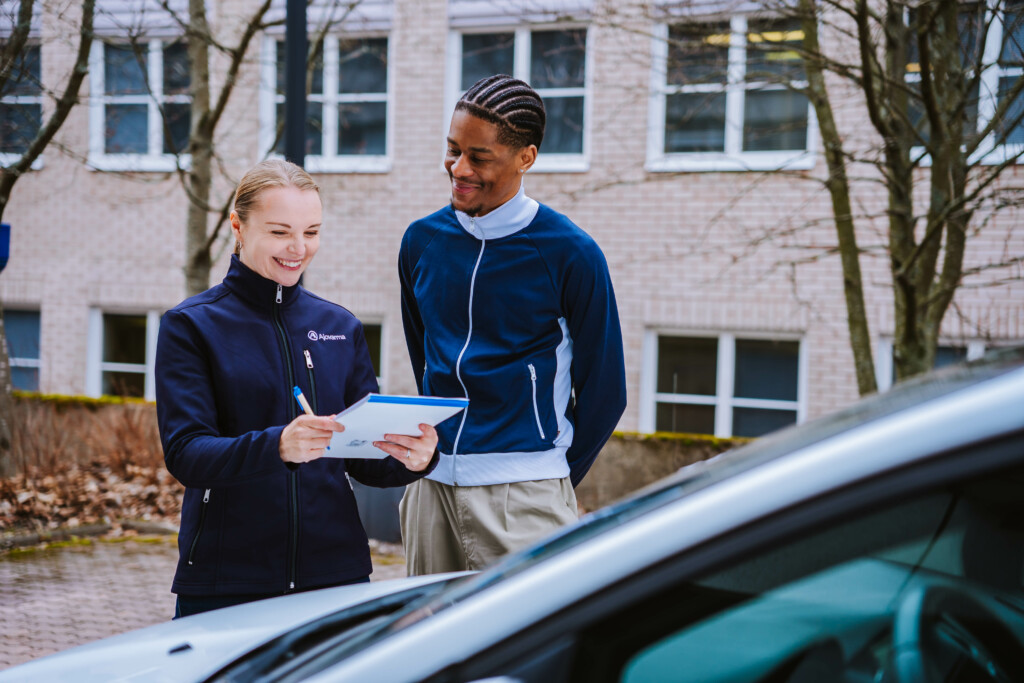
(512, 105)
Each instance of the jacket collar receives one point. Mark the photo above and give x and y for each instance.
(509, 218)
(254, 288)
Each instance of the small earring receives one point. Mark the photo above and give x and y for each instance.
(522, 170)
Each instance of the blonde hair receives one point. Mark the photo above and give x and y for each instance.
(264, 176)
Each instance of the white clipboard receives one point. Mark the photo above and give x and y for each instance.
(375, 415)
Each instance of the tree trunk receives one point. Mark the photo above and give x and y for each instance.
(197, 265)
(839, 189)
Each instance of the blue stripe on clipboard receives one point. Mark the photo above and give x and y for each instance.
(421, 401)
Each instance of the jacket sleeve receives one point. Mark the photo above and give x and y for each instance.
(387, 471)
(411, 320)
(195, 452)
(598, 367)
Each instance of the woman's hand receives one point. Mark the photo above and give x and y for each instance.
(415, 452)
(307, 437)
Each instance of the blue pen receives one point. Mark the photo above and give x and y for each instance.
(303, 403)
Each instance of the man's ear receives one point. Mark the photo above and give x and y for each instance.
(527, 157)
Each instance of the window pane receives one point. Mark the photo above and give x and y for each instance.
(698, 53)
(362, 128)
(758, 422)
(687, 365)
(486, 54)
(1013, 34)
(766, 369)
(774, 120)
(314, 128)
(1011, 129)
(675, 417)
(772, 51)
(695, 123)
(25, 379)
(317, 85)
(949, 355)
(124, 339)
(127, 129)
(372, 333)
(176, 72)
(177, 119)
(363, 66)
(557, 59)
(19, 124)
(22, 330)
(124, 68)
(563, 132)
(124, 384)
(24, 77)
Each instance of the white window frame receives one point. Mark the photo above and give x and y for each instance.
(95, 366)
(884, 363)
(733, 158)
(546, 162)
(154, 160)
(724, 401)
(329, 161)
(9, 158)
(988, 152)
(382, 324)
(23, 361)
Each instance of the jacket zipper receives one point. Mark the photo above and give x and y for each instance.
(199, 531)
(312, 380)
(536, 412)
(469, 336)
(293, 475)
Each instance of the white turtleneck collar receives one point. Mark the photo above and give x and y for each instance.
(509, 218)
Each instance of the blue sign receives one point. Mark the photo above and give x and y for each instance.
(5, 244)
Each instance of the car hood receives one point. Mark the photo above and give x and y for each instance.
(193, 648)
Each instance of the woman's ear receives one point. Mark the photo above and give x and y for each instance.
(236, 225)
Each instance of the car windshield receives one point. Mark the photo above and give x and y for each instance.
(686, 481)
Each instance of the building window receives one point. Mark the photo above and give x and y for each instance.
(22, 330)
(374, 339)
(726, 386)
(348, 107)
(554, 63)
(945, 354)
(21, 106)
(141, 115)
(122, 349)
(727, 97)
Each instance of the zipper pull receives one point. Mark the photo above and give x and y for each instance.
(206, 496)
(278, 299)
(533, 372)
(309, 359)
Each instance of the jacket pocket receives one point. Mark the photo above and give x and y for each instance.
(533, 391)
(199, 528)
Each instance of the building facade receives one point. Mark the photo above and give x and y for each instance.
(706, 198)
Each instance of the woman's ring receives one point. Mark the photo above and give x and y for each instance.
(408, 454)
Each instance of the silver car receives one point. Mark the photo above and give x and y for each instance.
(883, 543)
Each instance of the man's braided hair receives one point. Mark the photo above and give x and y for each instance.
(513, 106)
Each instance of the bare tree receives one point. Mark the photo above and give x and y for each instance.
(919, 68)
(12, 70)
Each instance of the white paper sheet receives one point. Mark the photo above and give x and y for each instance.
(375, 415)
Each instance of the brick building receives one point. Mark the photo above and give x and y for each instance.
(702, 218)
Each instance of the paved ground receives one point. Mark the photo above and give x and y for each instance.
(58, 597)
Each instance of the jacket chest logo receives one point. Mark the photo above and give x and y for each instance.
(320, 336)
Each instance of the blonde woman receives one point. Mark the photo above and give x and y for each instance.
(264, 513)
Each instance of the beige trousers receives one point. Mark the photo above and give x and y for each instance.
(453, 528)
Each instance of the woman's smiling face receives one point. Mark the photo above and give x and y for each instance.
(280, 237)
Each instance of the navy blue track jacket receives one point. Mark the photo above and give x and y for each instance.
(227, 360)
(523, 322)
